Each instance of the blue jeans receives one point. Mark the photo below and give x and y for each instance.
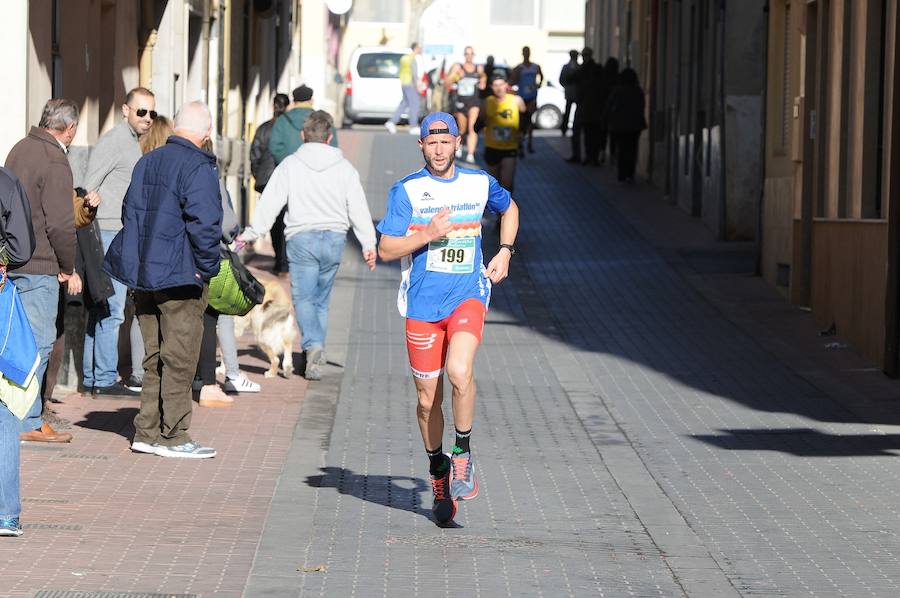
(40, 298)
(409, 104)
(9, 463)
(101, 338)
(313, 260)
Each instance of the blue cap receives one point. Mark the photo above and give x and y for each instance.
(434, 117)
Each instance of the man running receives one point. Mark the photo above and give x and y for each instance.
(433, 223)
(528, 76)
(468, 78)
(503, 111)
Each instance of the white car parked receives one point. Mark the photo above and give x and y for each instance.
(551, 105)
(372, 84)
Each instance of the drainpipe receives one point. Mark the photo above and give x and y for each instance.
(762, 146)
(204, 51)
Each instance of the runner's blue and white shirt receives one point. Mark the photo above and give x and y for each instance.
(438, 277)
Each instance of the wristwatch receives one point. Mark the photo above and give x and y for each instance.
(512, 250)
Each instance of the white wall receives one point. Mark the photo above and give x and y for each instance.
(14, 49)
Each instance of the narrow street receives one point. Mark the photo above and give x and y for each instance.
(645, 427)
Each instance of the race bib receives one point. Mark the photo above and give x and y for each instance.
(451, 256)
(502, 133)
(466, 86)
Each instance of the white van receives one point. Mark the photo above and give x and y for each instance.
(372, 84)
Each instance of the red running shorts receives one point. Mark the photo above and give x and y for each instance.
(426, 342)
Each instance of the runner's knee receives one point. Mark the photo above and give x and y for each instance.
(460, 373)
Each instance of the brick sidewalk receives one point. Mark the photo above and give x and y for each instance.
(98, 517)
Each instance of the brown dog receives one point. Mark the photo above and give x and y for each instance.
(272, 322)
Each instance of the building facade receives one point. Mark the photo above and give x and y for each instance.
(774, 122)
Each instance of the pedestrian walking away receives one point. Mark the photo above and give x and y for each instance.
(468, 78)
(625, 119)
(433, 225)
(527, 77)
(589, 114)
(39, 161)
(567, 78)
(262, 165)
(167, 251)
(410, 85)
(324, 198)
(502, 113)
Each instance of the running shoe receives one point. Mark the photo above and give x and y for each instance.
(463, 486)
(188, 450)
(10, 527)
(314, 363)
(391, 127)
(444, 507)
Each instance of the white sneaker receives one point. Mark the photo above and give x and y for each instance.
(188, 450)
(459, 152)
(241, 384)
(390, 127)
(414, 131)
(144, 447)
(470, 158)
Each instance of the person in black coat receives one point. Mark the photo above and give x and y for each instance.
(625, 120)
(588, 116)
(610, 81)
(262, 165)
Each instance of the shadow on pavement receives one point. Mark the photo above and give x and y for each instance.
(120, 421)
(804, 442)
(382, 490)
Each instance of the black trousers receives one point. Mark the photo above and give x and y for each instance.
(206, 363)
(279, 244)
(627, 149)
(593, 135)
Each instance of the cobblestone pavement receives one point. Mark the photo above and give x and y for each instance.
(646, 426)
(99, 518)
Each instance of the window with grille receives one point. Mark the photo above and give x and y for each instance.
(378, 11)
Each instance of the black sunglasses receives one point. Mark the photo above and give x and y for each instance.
(142, 112)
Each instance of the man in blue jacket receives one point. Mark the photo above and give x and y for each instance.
(167, 251)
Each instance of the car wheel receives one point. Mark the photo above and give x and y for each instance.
(548, 116)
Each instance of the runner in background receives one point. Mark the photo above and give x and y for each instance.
(527, 76)
(501, 118)
(469, 79)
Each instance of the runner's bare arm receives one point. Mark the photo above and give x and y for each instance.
(392, 248)
(498, 268)
(521, 104)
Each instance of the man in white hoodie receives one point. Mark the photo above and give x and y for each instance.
(324, 198)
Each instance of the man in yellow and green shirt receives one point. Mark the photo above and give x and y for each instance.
(409, 77)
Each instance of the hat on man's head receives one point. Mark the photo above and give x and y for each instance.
(438, 117)
(302, 94)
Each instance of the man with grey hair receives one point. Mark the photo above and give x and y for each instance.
(324, 198)
(167, 251)
(39, 161)
(108, 176)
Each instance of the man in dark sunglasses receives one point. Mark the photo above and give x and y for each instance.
(108, 175)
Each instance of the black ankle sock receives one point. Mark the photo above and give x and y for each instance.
(437, 461)
(462, 441)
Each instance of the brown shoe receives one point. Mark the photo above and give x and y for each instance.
(212, 396)
(45, 434)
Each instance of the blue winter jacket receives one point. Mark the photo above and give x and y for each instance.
(172, 220)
